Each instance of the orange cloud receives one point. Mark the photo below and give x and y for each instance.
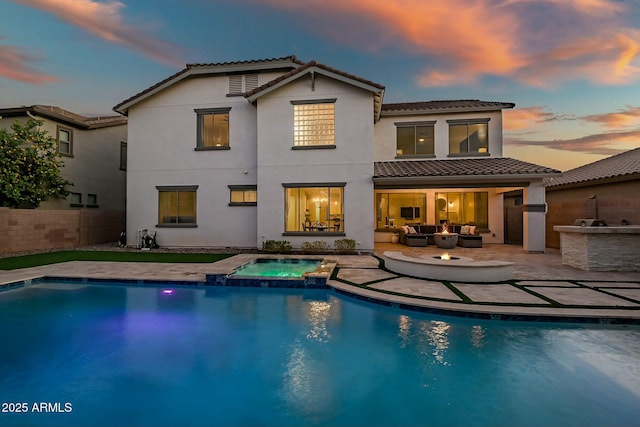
(522, 118)
(104, 20)
(628, 117)
(14, 65)
(462, 40)
(607, 143)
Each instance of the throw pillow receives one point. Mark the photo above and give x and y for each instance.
(465, 229)
(412, 230)
(472, 229)
(405, 228)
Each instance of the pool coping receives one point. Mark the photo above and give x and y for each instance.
(505, 312)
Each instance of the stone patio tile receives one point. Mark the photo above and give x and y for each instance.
(500, 293)
(629, 293)
(555, 284)
(363, 275)
(582, 296)
(612, 284)
(417, 287)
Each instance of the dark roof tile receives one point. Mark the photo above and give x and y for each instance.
(448, 106)
(457, 167)
(190, 67)
(617, 166)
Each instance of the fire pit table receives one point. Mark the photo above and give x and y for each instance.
(446, 240)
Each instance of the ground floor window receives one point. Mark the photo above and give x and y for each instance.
(463, 208)
(243, 195)
(177, 205)
(396, 209)
(314, 208)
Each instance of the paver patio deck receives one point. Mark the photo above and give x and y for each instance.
(542, 288)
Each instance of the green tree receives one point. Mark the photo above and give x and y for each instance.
(29, 166)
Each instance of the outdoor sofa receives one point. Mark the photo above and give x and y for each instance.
(423, 235)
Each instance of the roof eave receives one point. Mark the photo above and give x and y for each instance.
(448, 110)
(595, 181)
(469, 181)
(198, 70)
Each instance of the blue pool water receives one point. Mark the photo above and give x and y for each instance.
(146, 356)
(277, 267)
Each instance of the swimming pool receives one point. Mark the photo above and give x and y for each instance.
(220, 356)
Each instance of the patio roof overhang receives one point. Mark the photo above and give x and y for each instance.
(458, 173)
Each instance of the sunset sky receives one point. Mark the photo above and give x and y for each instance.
(572, 67)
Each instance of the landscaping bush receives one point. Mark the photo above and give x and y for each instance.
(345, 246)
(276, 246)
(315, 247)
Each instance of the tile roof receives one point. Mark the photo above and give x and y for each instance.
(291, 58)
(305, 67)
(487, 167)
(190, 69)
(460, 105)
(623, 165)
(61, 115)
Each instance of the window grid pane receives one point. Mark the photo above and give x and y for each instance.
(313, 124)
(314, 209)
(64, 141)
(214, 130)
(463, 208)
(177, 207)
(468, 138)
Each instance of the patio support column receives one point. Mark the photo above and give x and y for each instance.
(533, 218)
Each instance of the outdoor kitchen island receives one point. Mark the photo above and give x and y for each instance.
(603, 248)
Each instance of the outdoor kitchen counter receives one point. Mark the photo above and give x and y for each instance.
(601, 248)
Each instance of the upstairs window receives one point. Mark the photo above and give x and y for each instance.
(314, 123)
(468, 137)
(415, 139)
(65, 141)
(213, 129)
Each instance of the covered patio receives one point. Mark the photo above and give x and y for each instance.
(461, 191)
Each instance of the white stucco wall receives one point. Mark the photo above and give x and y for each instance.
(385, 133)
(351, 161)
(162, 141)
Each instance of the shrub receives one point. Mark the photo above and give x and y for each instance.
(276, 246)
(315, 247)
(345, 246)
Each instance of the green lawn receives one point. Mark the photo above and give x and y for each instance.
(12, 263)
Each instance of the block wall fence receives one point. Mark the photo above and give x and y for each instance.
(611, 202)
(25, 230)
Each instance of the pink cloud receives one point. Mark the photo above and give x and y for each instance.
(105, 21)
(538, 42)
(14, 65)
(627, 117)
(523, 118)
(607, 143)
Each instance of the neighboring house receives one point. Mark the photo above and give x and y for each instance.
(234, 154)
(93, 150)
(608, 190)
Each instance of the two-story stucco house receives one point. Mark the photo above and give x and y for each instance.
(93, 151)
(234, 154)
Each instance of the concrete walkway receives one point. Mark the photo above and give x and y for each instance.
(542, 289)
